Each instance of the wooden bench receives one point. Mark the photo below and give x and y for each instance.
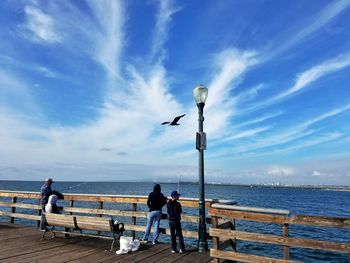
(80, 223)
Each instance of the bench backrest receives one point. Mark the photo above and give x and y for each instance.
(80, 222)
(60, 220)
(94, 223)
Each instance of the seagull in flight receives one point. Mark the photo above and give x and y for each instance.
(175, 120)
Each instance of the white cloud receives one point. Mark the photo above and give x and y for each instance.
(316, 173)
(280, 171)
(246, 134)
(111, 19)
(164, 17)
(259, 119)
(41, 25)
(307, 77)
(304, 80)
(310, 26)
(281, 138)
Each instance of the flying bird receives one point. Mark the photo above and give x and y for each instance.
(175, 120)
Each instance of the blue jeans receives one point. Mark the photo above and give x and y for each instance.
(153, 216)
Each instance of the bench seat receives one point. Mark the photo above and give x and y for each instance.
(80, 223)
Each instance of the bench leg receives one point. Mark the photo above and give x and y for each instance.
(112, 246)
(114, 239)
(43, 235)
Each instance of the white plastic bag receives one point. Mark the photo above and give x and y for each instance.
(127, 245)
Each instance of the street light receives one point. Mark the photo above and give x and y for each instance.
(200, 96)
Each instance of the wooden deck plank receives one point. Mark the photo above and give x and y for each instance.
(191, 255)
(48, 255)
(149, 251)
(23, 244)
(30, 251)
(144, 252)
(161, 254)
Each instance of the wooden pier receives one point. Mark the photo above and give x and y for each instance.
(24, 244)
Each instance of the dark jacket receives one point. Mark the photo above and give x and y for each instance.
(156, 200)
(46, 191)
(174, 210)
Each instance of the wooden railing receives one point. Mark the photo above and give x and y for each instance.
(101, 202)
(225, 235)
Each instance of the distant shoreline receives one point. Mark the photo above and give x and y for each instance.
(324, 187)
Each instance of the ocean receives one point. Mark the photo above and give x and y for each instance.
(307, 201)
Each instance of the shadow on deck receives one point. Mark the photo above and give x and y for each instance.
(24, 244)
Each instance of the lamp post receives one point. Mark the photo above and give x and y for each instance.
(200, 96)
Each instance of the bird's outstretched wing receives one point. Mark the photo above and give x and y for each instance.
(166, 122)
(176, 119)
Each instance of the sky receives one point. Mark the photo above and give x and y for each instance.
(85, 86)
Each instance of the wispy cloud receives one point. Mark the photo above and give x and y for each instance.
(282, 138)
(308, 77)
(311, 26)
(41, 25)
(164, 17)
(258, 120)
(280, 171)
(246, 134)
(304, 80)
(110, 16)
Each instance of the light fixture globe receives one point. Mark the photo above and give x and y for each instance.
(200, 94)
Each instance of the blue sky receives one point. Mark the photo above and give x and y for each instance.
(84, 86)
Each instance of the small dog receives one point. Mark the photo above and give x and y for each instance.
(118, 228)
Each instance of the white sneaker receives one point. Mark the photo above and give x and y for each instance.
(122, 251)
(173, 251)
(181, 251)
(143, 241)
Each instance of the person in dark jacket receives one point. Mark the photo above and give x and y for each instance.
(174, 210)
(156, 200)
(46, 191)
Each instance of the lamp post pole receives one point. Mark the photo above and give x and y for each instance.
(200, 95)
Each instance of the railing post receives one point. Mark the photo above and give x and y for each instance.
(39, 212)
(286, 254)
(71, 204)
(233, 227)
(100, 206)
(215, 240)
(133, 220)
(13, 209)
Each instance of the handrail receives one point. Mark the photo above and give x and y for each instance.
(139, 199)
(224, 235)
(252, 209)
(133, 213)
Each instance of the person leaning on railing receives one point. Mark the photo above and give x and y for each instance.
(174, 210)
(156, 200)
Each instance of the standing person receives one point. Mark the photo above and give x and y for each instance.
(51, 206)
(156, 200)
(174, 210)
